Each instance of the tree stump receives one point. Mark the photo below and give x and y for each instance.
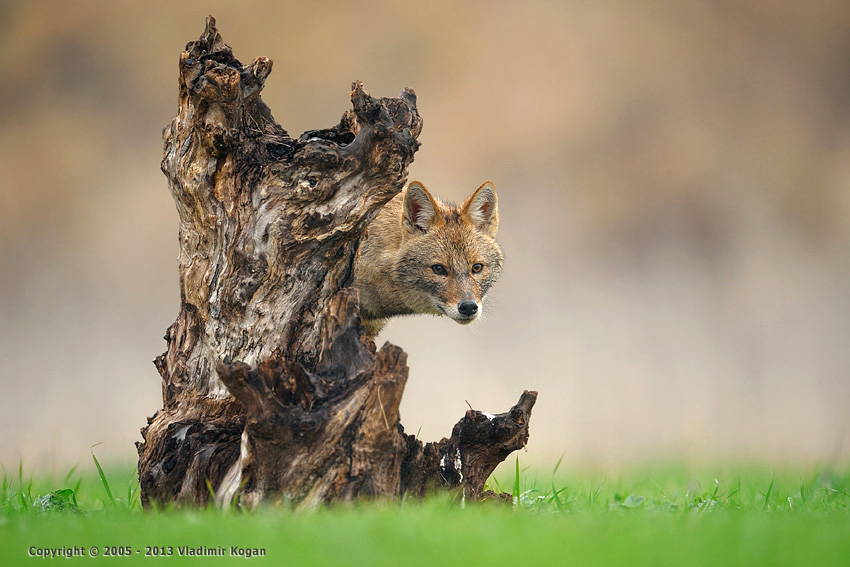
(269, 391)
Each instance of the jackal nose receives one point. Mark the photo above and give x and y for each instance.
(467, 307)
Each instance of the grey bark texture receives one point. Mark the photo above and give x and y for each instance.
(269, 391)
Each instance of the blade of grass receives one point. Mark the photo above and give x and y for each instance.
(103, 480)
(712, 498)
(516, 482)
(210, 490)
(594, 496)
(24, 503)
(555, 491)
(731, 494)
(70, 473)
(131, 492)
(769, 490)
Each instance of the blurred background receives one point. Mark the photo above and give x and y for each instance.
(674, 190)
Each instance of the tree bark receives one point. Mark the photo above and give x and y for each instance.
(269, 391)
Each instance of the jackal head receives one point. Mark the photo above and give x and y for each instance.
(449, 256)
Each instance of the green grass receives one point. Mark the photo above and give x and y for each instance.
(669, 516)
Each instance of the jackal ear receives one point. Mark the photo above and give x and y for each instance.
(420, 210)
(482, 209)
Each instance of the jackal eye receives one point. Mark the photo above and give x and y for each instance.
(439, 269)
(477, 268)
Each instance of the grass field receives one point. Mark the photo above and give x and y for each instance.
(668, 516)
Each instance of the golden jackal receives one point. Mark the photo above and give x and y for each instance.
(422, 256)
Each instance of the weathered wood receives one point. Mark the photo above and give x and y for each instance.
(479, 442)
(269, 392)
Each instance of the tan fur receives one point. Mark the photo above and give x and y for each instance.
(415, 232)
